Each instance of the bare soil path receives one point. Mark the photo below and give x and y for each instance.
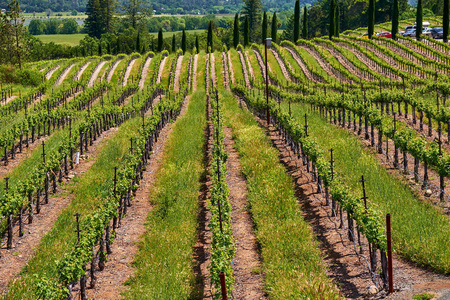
(161, 68)
(110, 281)
(13, 260)
(111, 71)
(81, 71)
(128, 72)
(64, 75)
(145, 71)
(244, 69)
(282, 65)
(248, 283)
(309, 75)
(176, 82)
(94, 75)
(49, 74)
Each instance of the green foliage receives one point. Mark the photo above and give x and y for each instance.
(264, 28)
(395, 16)
(252, 12)
(274, 32)
(246, 32)
(423, 296)
(419, 20)
(332, 14)
(371, 24)
(305, 23)
(296, 33)
(446, 20)
(236, 31)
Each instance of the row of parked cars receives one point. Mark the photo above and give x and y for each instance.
(435, 32)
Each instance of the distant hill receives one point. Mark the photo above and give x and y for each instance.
(160, 6)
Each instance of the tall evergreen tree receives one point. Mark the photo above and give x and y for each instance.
(93, 22)
(394, 30)
(160, 40)
(99, 48)
(332, 18)
(288, 32)
(338, 21)
(371, 26)
(246, 32)
(445, 20)
(108, 48)
(264, 27)
(274, 28)
(210, 36)
(138, 42)
(12, 33)
(197, 45)
(252, 9)
(296, 34)
(174, 45)
(117, 46)
(183, 42)
(419, 20)
(236, 31)
(136, 11)
(305, 23)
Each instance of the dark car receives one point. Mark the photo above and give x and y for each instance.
(437, 32)
(385, 34)
(410, 33)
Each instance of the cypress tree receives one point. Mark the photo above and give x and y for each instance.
(305, 23)
(160, 40)
(332, 18)
(419, 20)
(236, 31)
(296, 21)
(445, 21)
(138, 42)
(117, 46)
(338, 21)
(99, 48)
(108, 47)
(143, 49)
(371, 26)
(210, 36)
(183, 42)
(174, 46)
(274, 27)
(246, 33)
(395, 20)
(264, 27)
(197, 45)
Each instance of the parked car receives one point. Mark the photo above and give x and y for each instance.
(385, 34)
(437, 32)
(410, 33)
(427, 32)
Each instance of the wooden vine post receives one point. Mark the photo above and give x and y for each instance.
(223, 286)
(389, 250)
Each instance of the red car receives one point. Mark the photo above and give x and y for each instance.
(385, 34)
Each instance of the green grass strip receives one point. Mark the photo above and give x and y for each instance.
(164, 264)
(420, 231)
(290, 254)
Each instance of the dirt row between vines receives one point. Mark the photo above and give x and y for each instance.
(119, 267)
(145, 71)
(64, 75)
(347, 270)
(94, 75)
(13, 260)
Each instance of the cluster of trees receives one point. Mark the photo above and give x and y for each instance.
(53, 26)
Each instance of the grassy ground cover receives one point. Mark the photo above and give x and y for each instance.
(290, 255)
(414, 222)
(135, 69)
(62, 39)
(294, 65)
(86, 191)
(164, 267)
(166, 70)
(311, 62)
(237, 68)
(253, 61)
